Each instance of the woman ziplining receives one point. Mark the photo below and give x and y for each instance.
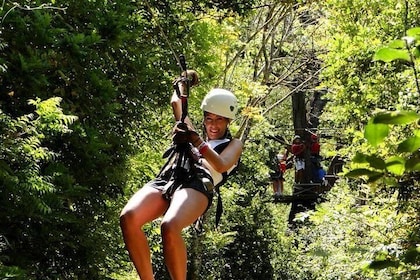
(183, 190)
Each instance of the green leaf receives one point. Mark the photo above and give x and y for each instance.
(360, 172)
(409, 145)
(375, 177)
(397, 44)
(396, 165)
(416, 52)
(389, 54)
(360, 158)
(376, 133)
(376, 162)
(397, 117)
(413, 32)
(412, 254)
(391, 181)
(413, 164)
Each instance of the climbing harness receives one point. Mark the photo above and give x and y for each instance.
(181, 162)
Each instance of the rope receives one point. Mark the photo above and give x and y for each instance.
(181, 63)
(164, 35)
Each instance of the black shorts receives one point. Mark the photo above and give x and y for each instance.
(276, 176)
(194, 182)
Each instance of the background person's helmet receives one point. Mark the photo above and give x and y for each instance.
(220, 102)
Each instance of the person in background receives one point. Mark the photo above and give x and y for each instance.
(298, 151)
(318, 173)
(277, 177)
(315, 146)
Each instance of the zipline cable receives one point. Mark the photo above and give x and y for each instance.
(164, 36)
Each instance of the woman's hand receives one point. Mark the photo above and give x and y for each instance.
(179, 85)
(183, 133)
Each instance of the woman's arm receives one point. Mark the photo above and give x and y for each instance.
(177, 105)
(228, 158)
(175, 100)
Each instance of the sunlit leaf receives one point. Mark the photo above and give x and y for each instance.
(376, 133)
(390, 54)
(396, 165)
(410, 145)
(397, 44)
(415, 31)
(397, 117)
(374, 161)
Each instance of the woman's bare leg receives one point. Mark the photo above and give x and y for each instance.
(186, 206)
(281, 186)
(144, 206)
(275, 186)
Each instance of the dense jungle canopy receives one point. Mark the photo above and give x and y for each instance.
(85, 118)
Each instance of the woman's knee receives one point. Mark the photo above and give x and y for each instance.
(169, 228)
(127, 218)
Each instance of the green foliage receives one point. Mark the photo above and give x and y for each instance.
(383, 159)
(397, 170)
(376, 132)
(12, 273)
(358, 86)
(356, 234)
(28, 194)
(91, 58)
(23, 153)
(365, 229)
(407, 49)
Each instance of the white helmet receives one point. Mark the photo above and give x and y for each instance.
(220, 102)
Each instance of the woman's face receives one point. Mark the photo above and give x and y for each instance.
(215, 125)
